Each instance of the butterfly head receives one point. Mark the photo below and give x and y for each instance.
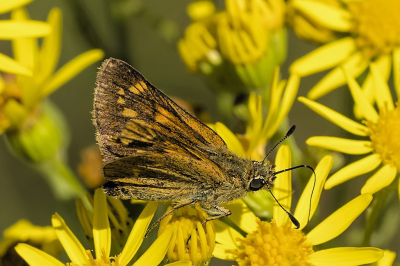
(264, 175)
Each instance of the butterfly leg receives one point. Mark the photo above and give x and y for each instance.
(174, 207)
(215, 212)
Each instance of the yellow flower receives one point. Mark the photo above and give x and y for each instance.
(381, 128)
(306, 26)
(237, 48)
(387, 260)
(35, 129)
(102, 241)
(14, 29)
(120, 222)
(201, 244)
(20, 95)
(371, 33)
(278, 243)
(44, 238)
(259, 129)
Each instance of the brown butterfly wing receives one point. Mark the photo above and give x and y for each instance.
(132, 117)
(160, 177)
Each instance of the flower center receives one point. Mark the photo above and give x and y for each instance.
(377, 25)
(201, 244)
(385, 135)
(273, 245)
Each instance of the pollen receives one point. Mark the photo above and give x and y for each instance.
(385, 135)
(274, 245)
(193, 241)
(376, 26)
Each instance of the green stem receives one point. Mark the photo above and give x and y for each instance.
(64, 183)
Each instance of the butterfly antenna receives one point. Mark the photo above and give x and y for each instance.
(294, 220)
(312, 191)
(290, 132)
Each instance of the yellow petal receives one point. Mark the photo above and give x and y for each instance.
(222, 252)
(336, 118)
(242, 216)
(273, 107)
(71, 69)
(360, 167)
(101, 226)
(384, 64)
(230, 139)
(347, 146)
(23, 29)
(136, 236)
(382, 178)
(51, 46)
(388, 258)
(36, 257)
(348, 256)
(71, 244)
(303, 206)
(226, 235)
(331, 17)
(283, 185)
(325, 57)
(396, 70)
(339, 221)
(355, 65)
(2, 84)
(9, 65)
(382, 90)
(25, 49)
(366, 108)
(200, 9)
(180, 263)
(286, 105)
(156, 252)
(193, 247)
(7, 6)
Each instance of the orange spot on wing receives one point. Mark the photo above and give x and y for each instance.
(121, 100)
(135, 90)
(129, 112)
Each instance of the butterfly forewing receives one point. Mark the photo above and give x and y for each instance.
(123, 95)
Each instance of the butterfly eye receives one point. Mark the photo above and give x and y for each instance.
(256, 184)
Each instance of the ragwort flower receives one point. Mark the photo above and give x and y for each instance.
(35, 129)
(371, 30)
(260, 129)
(102, 241)
(278, 243)
(20, 96)
(14, 29)
(237, 48)
(381, 128)
(193, 241)
(23, 231)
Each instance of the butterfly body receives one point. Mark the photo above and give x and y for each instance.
(155, 150)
